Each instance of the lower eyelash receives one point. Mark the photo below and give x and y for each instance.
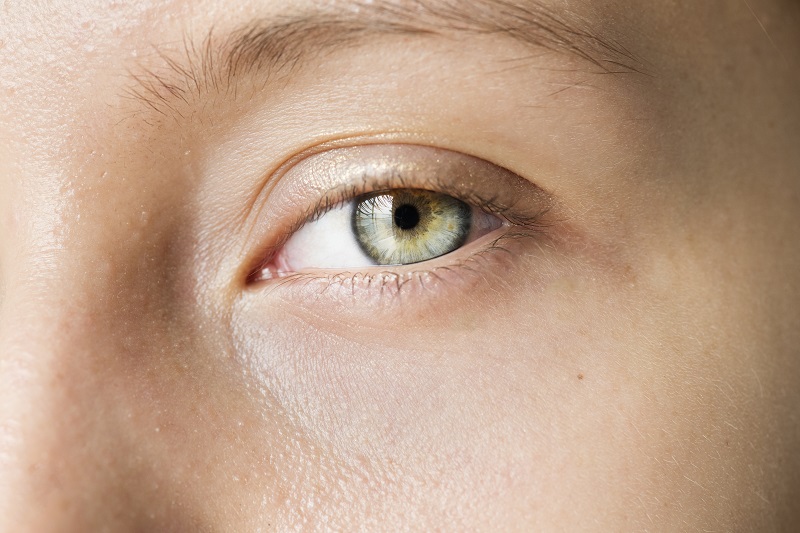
(388, 286)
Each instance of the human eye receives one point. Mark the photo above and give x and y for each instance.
(394, 227)
(388, 212)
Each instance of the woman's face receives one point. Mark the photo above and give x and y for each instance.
(426, 264)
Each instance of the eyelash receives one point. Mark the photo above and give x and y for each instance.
(519, 225)
(490, 205)
(392, 283)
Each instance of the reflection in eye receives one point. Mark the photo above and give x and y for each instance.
(394, 227)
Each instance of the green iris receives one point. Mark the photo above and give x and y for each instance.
(407, 226)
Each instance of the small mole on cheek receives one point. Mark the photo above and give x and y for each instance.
(580, 376)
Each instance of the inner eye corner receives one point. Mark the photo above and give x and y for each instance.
(254, 272)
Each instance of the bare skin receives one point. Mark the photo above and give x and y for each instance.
(631, 364)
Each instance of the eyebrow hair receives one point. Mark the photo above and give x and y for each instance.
(283, 43)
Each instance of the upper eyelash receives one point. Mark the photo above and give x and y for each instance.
(368, 185)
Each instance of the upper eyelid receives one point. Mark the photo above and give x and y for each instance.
(345, 192)
(369, 183)
(284, 43)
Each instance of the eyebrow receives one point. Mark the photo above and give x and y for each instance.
(284, 43)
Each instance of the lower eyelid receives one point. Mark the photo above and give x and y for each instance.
(428, 283)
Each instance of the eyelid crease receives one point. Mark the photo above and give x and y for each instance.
(283, 44)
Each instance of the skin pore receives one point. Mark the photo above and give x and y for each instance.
(623, 358)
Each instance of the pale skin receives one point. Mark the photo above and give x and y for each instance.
(632, 365)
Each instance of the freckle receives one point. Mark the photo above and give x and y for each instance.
(580, 376)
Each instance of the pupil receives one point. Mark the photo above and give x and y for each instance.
(406, 217)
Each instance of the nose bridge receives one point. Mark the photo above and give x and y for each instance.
(85, 330)
(57, 421)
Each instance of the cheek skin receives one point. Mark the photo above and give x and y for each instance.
(391, 403)
(609, 386)
(444, 419)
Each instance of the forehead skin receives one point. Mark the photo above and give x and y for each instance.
(642, 377)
